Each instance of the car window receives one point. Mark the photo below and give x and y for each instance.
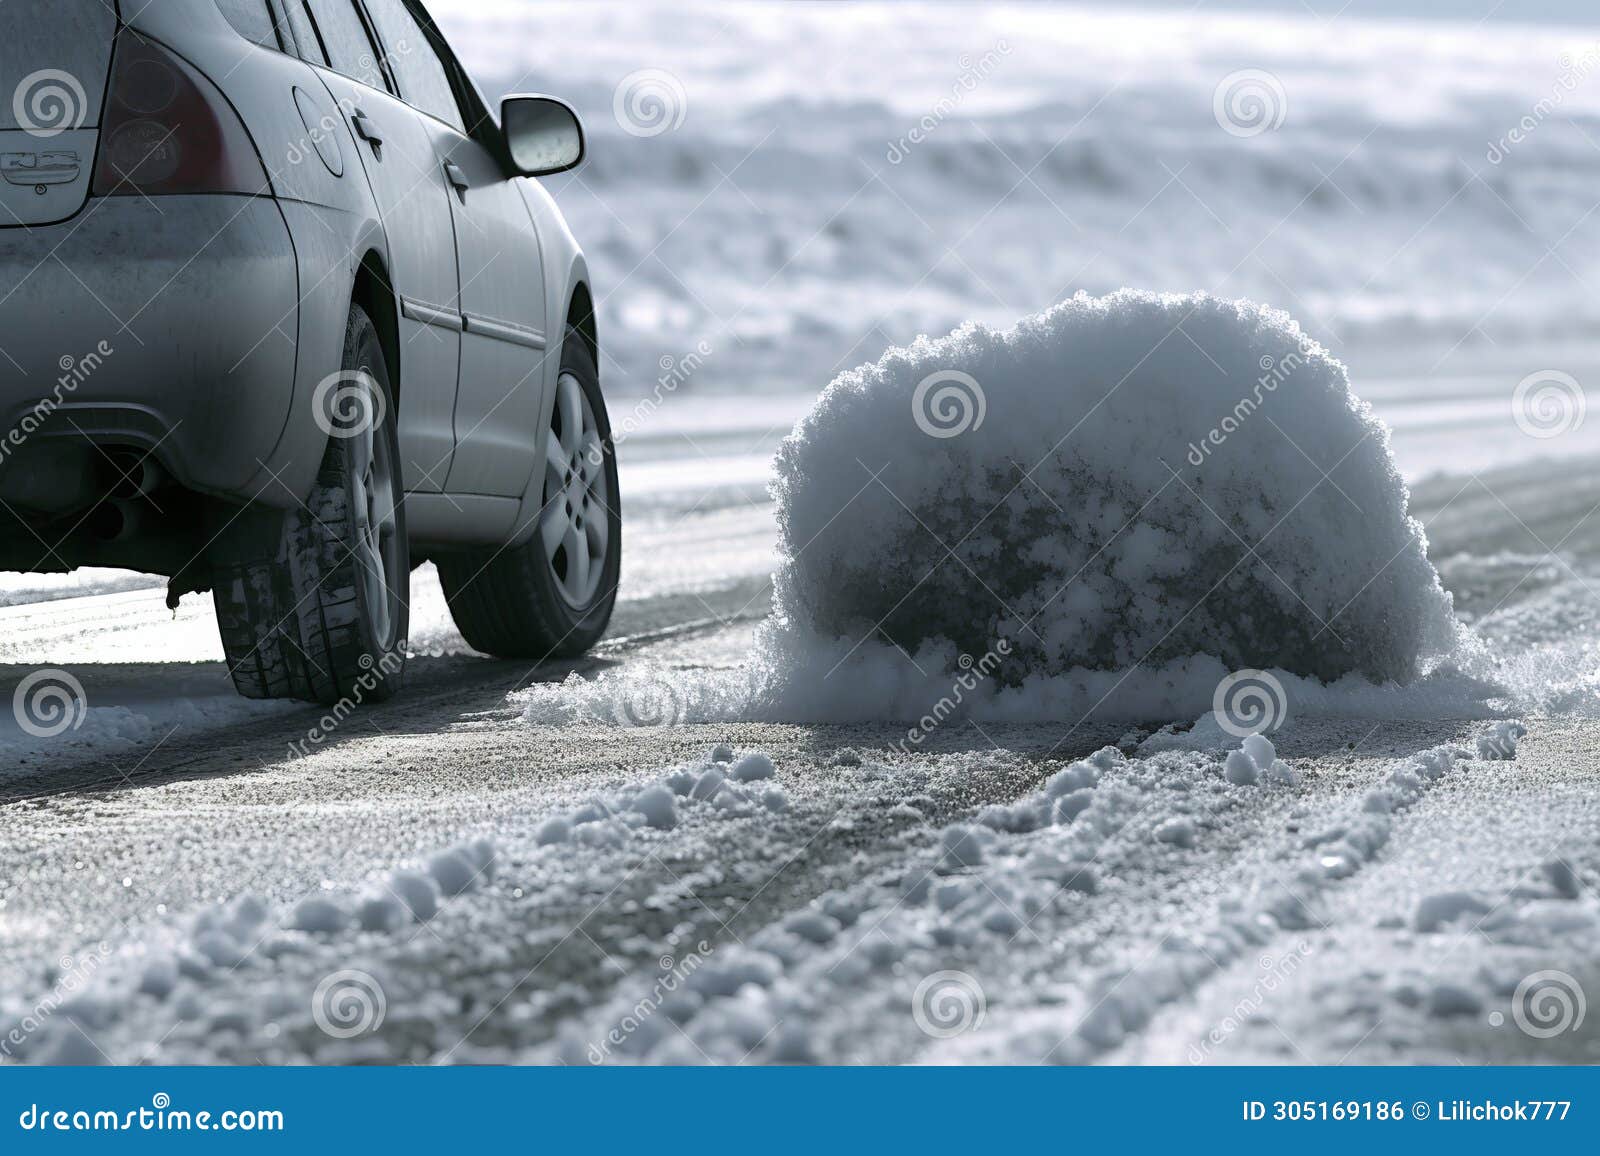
(344, 38)
(424, 84)
(304, 32)
(252, 19)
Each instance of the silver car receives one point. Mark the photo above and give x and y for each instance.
(281, 318)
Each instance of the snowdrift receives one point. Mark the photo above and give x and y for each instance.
(1117, 510)
(1122, 481)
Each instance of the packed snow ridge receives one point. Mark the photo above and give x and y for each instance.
(1122, 480)
(1013, 875)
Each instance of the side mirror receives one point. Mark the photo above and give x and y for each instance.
(542, 134)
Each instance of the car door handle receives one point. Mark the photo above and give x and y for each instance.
(457, 178)
(365, 129)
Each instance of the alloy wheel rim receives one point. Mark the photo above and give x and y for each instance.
(376, 522)
(574, 528)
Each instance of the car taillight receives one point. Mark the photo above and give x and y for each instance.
(167, 129)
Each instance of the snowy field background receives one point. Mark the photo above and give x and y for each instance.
(721, 817)
(780, 213)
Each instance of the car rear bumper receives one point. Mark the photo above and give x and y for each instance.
(166, 324)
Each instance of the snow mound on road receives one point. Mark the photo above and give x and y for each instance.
(1123, 481)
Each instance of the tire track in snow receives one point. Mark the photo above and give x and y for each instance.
(1027, 908)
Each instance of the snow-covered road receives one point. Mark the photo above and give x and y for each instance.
(177, 885)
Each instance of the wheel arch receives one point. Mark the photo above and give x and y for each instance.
(373, 291)
(580, 316)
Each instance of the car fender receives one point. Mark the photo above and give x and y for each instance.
(564, 269)
(330, 246)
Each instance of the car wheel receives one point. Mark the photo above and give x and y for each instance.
(552, 596)
(322, 614)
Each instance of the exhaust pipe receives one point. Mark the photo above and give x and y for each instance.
(137, 475)
(116, 520)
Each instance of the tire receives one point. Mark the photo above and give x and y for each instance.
(549, 598)
(320, 612)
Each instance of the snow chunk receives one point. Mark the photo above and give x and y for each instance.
(481, 854)
(708, 784)
(1069, 807)
(417, 892)
(1260, 749)
(318, 914)
(961, 847)
(658, 805)
(452, 871)
(1437, 910)
(1084, 773)
(224, 951)
(1178, 831)
(1255, 760)
(1094, 473)
(460, 868)
(1239, 768)
(813, 926)
(1500, 740)
(755, 765)
(159, 978)
(1283, 774)
(382, 912)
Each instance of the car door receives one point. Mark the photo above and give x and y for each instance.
(502, 296)
(413, 198)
